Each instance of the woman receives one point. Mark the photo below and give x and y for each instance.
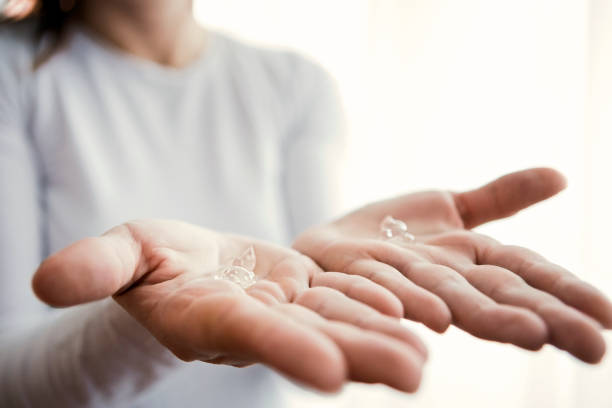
(134, 111)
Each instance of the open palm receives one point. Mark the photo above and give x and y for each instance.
(451, 274)
(295, 318)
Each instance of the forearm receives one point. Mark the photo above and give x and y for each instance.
(95, 355)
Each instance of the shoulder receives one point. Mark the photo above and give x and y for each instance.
(286, 82)
(17, 48)
(286, 69)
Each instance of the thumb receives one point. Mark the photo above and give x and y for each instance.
(507, 195)
(90, 269)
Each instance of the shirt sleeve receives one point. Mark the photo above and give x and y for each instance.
(20, 235)
(313, 152)
(94, 355)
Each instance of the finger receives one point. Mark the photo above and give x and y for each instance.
(349, 306)
(293, 274)
(333, 305)
(551, 278)
(361, 289)
(419, 304)
(239, 327)
(568, 329)
(473, 311)
(371, 357)
(507, 195)
(90, 269)
(268, 292)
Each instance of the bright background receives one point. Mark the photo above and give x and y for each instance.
(449, 94)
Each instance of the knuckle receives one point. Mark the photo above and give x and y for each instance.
(315, 299)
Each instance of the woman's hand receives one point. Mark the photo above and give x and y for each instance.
(294, 318)
(451, 274)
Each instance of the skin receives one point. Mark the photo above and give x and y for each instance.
(326, 328)
(454, 275)
(312, 326)
(17, 9)
(161, 31)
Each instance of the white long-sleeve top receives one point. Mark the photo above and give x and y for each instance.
(243, 140)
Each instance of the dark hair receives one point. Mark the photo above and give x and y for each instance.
(51, 18)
